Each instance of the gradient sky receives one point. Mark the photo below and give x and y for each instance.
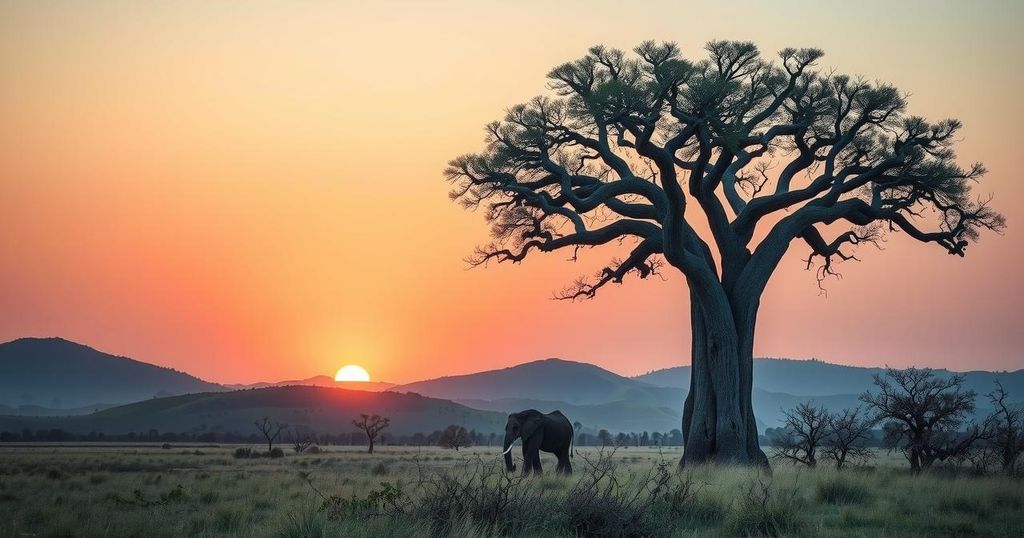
(253, 190)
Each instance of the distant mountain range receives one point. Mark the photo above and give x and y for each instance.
(50, 377)
(816, 378)
(572, 382)
(53, 374)
(320, 409)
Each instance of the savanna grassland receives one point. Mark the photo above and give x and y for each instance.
(403, 491)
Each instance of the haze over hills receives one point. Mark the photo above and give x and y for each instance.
(62, 375)
(317, 381)
(818, 378)
(320, 409)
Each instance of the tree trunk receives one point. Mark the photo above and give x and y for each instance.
(371, 445)
(718, 416)
(915, 460)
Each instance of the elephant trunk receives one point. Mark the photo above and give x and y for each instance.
(509, 466)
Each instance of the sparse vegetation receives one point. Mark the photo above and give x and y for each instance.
(371, 425)
(405, 491)
(270, 430)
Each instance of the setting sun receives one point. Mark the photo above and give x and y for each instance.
(352, 372)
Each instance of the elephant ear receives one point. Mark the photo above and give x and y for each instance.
(530, 427)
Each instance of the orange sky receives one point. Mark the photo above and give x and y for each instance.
(253, 190)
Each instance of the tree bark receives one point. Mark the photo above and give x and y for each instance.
(718, 416)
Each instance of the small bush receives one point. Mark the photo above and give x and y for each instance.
(763, 511)
(245, 452)
(55, 474)
(380, 469)
(276, 453)
(313, 450)
(166, 446)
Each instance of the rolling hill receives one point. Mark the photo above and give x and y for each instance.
(55, 374)
(319, 408)
(576, 383)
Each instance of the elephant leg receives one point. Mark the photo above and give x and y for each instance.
(531, 455)
(564, 465)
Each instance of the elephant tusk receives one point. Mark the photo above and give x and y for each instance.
(509, 449)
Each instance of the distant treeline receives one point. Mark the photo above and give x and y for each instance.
(353, 438)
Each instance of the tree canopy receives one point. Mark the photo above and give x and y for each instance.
(627, 144)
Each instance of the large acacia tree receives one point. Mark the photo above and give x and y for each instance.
(714, 167)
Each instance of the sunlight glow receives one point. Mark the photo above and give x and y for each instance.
(352, 372)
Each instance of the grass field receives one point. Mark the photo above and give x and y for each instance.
(402, 491)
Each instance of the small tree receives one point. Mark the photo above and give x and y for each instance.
(270, 431)
(605, 436)
(372, 425)
(849, 432)
(454, 436)
(923, 414)
(1006, 429)
(300, 442)
(806, 427)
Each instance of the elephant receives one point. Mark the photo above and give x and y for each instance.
(550, 432)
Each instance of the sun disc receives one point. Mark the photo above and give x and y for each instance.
(352, 372)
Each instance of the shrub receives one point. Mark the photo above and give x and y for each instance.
(380, 469)
(486, 499)
(276, 453)
(313, 450)
(245, 452)
(762, 511)
(599, 504)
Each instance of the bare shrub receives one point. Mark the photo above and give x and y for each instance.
(766, 511)
(805, 429)
(849, 433)
(599, 502)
